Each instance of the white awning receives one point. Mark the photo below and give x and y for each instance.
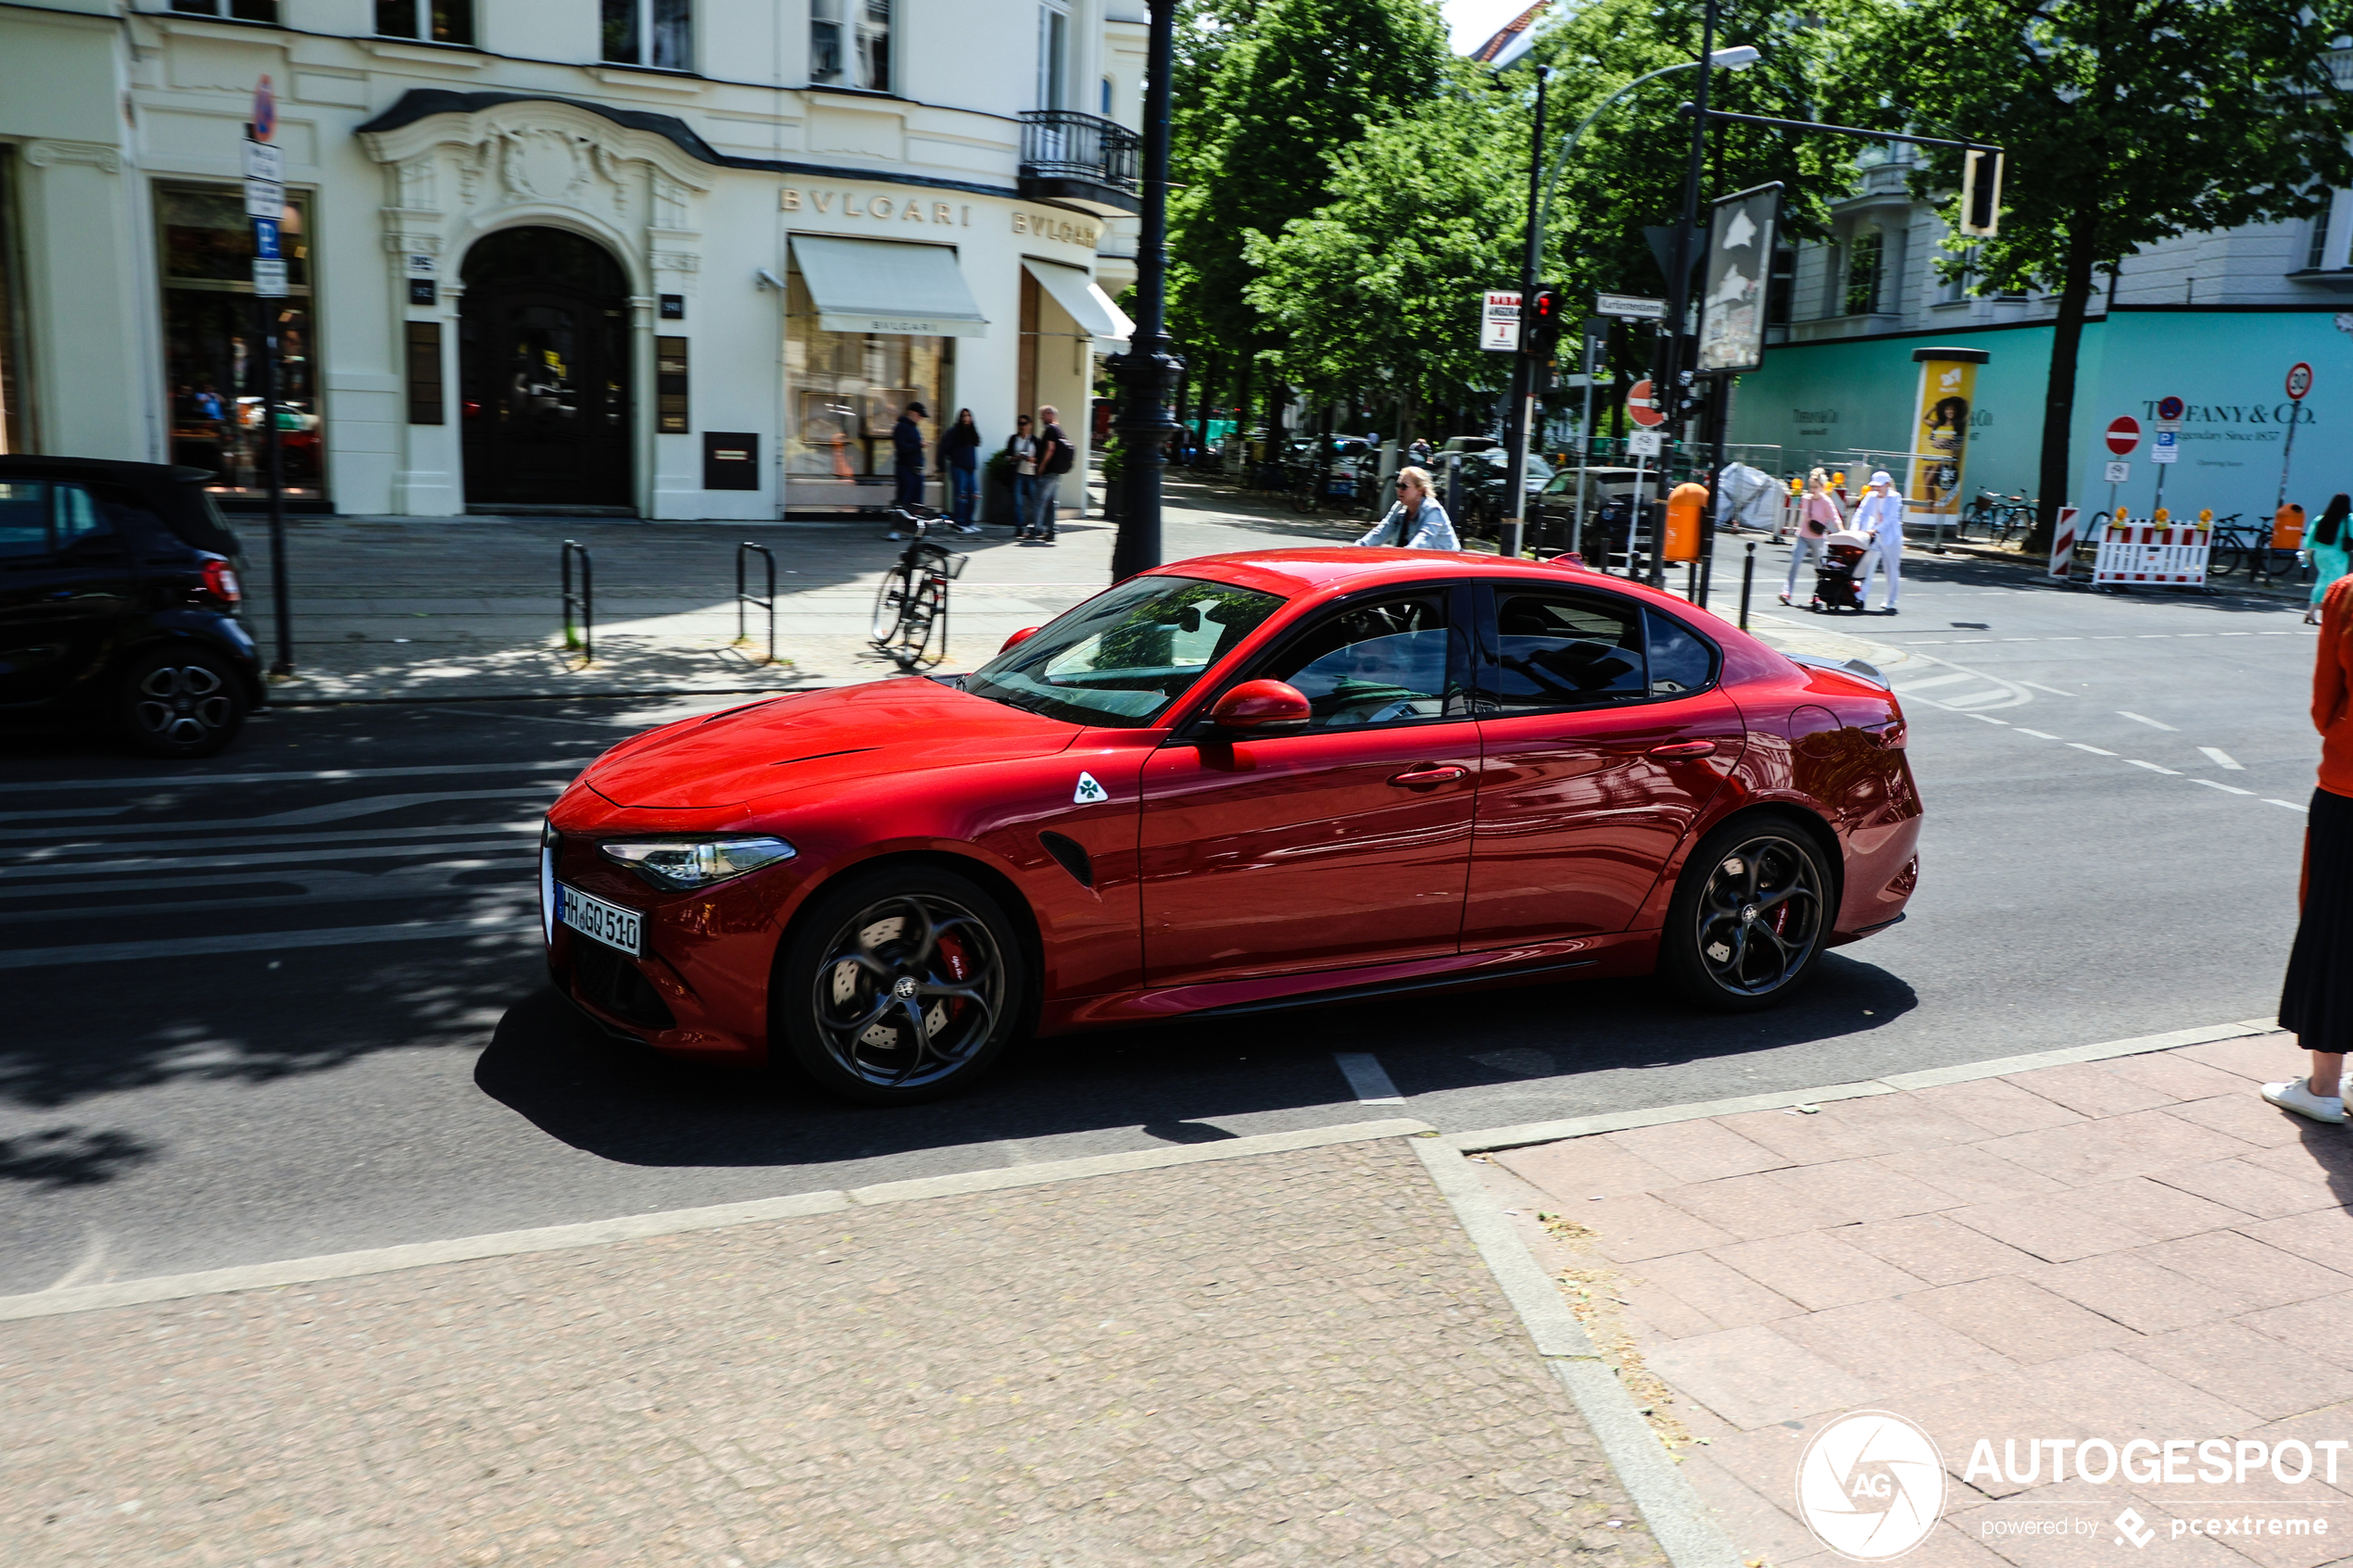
(879, 286)
(1085, 302)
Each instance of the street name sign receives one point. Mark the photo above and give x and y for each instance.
(2123, 434)
(1629, 306)
(1499, 321)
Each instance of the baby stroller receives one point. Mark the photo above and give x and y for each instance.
(1835, 587)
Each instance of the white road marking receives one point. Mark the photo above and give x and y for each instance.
(2217, 783)
(2222, 758)
(331, 811)
(1367, 1078)
(272, 941)
(1978, 699)
(2152, 768)
(2041, 688)
(94, 1261)
(2289, 804)
(1909, 687)
(2095, 750)
(1989, 719)
(2038, 735)
(2145, 719)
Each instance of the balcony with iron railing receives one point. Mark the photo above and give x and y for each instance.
(1083, 159)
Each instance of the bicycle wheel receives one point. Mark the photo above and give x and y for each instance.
(923, 634)
(890, 609)
(2222, 557)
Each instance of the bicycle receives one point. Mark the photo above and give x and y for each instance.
(911, 603)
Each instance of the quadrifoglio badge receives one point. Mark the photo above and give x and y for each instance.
(1871, 1486)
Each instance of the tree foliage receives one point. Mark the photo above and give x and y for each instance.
(2125, 121)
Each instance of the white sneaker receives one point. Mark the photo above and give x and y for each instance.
(2294, 1095)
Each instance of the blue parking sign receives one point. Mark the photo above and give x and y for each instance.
(264, 238)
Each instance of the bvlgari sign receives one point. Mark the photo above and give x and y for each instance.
(902, 211)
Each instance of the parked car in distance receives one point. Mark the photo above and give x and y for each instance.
(1610, 510)
(1227, 784)
(120, 585)
(1485, 500)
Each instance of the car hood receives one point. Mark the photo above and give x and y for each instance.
(885, 727)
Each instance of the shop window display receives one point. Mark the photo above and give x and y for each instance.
(212, 362)
(844, 392)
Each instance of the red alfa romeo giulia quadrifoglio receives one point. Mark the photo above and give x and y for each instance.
(1232, 784)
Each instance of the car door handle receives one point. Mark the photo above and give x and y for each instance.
(1684, 749)
(1430, 773)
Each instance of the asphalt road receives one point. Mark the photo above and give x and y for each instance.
(290, 1002)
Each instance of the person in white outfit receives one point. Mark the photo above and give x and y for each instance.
(1416, 522)
(1818, 519)
(1881, 514)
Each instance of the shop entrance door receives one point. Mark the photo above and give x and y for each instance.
(544, 355)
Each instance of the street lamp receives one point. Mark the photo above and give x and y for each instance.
(1540, 191)
(1147, 371)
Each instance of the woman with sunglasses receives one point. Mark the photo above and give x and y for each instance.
(1416, 522)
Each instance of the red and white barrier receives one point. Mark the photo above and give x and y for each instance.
(2152, 555)
(2063, 543)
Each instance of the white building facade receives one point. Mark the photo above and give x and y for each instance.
(667, 258)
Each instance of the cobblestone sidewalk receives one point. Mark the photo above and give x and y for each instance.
(1292, 1357)
(2120, 1248)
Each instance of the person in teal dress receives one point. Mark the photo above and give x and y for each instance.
(2327, 542)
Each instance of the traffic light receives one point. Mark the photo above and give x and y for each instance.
(1540, 322)
(1981, 192)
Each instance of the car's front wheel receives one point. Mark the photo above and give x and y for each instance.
(1749, 917)
(179, 702)
(902, 985)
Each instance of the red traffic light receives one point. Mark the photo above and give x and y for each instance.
(1542, 312)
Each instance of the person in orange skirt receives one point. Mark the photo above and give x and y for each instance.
(2317, 1001)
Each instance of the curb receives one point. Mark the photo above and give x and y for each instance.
(1495, 1139)
(1677, 1519)
(673, 1221)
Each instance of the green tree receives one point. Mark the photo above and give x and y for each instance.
(1376, 291)
(1273, 89)
(2126, 121)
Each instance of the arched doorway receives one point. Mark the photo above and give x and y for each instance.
(544, 357)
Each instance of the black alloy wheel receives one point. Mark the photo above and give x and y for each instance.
(899, 986)
(1749, 917)
(179, 702)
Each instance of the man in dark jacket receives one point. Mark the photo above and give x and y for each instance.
(907, 445)
(1055, 456)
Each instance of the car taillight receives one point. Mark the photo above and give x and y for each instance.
(221, 583)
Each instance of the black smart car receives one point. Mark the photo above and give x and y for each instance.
(118, 592)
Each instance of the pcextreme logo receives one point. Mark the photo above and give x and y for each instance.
(1871, 1485)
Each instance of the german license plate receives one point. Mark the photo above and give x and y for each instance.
(601, 922)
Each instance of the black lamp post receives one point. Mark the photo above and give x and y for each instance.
(1147, 371)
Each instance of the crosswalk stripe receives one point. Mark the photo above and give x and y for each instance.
(269, 941)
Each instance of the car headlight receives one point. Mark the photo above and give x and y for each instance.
(674, 864)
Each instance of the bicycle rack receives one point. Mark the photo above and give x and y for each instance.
(745, 601)
(583, 601)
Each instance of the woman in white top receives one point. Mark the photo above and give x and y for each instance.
(1881, 514)
(1817, 520)
(1416, 522)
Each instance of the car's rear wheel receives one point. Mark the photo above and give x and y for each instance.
(179, 702)
(1749, 917)
(901, 985)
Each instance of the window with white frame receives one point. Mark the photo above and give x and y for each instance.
(235, 10)
(2317, 256)
(1054, 53)
(428, 21)
(660, 33)
(850, 44)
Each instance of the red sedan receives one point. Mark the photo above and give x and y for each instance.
(1234, 784)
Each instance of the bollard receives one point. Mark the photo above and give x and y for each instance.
(1748, 581)
(743, 600)
(585, 601)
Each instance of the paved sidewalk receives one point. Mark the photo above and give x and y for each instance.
(426, 608)
(1284, 1357)
(2130, 1247)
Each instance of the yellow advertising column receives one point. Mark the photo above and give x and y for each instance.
(1940, 429)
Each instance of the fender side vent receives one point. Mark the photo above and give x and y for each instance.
(1070, 857)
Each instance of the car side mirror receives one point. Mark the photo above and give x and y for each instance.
(1262, 707)
(1021, 636)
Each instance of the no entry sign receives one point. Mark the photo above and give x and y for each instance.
(2123, 434)
(1640, 407)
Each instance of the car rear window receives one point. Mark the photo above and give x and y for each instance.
(1122, 658)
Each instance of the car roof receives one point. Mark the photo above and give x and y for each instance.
(1323, 573)
(168, 490)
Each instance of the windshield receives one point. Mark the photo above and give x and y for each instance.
(1122, 657)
